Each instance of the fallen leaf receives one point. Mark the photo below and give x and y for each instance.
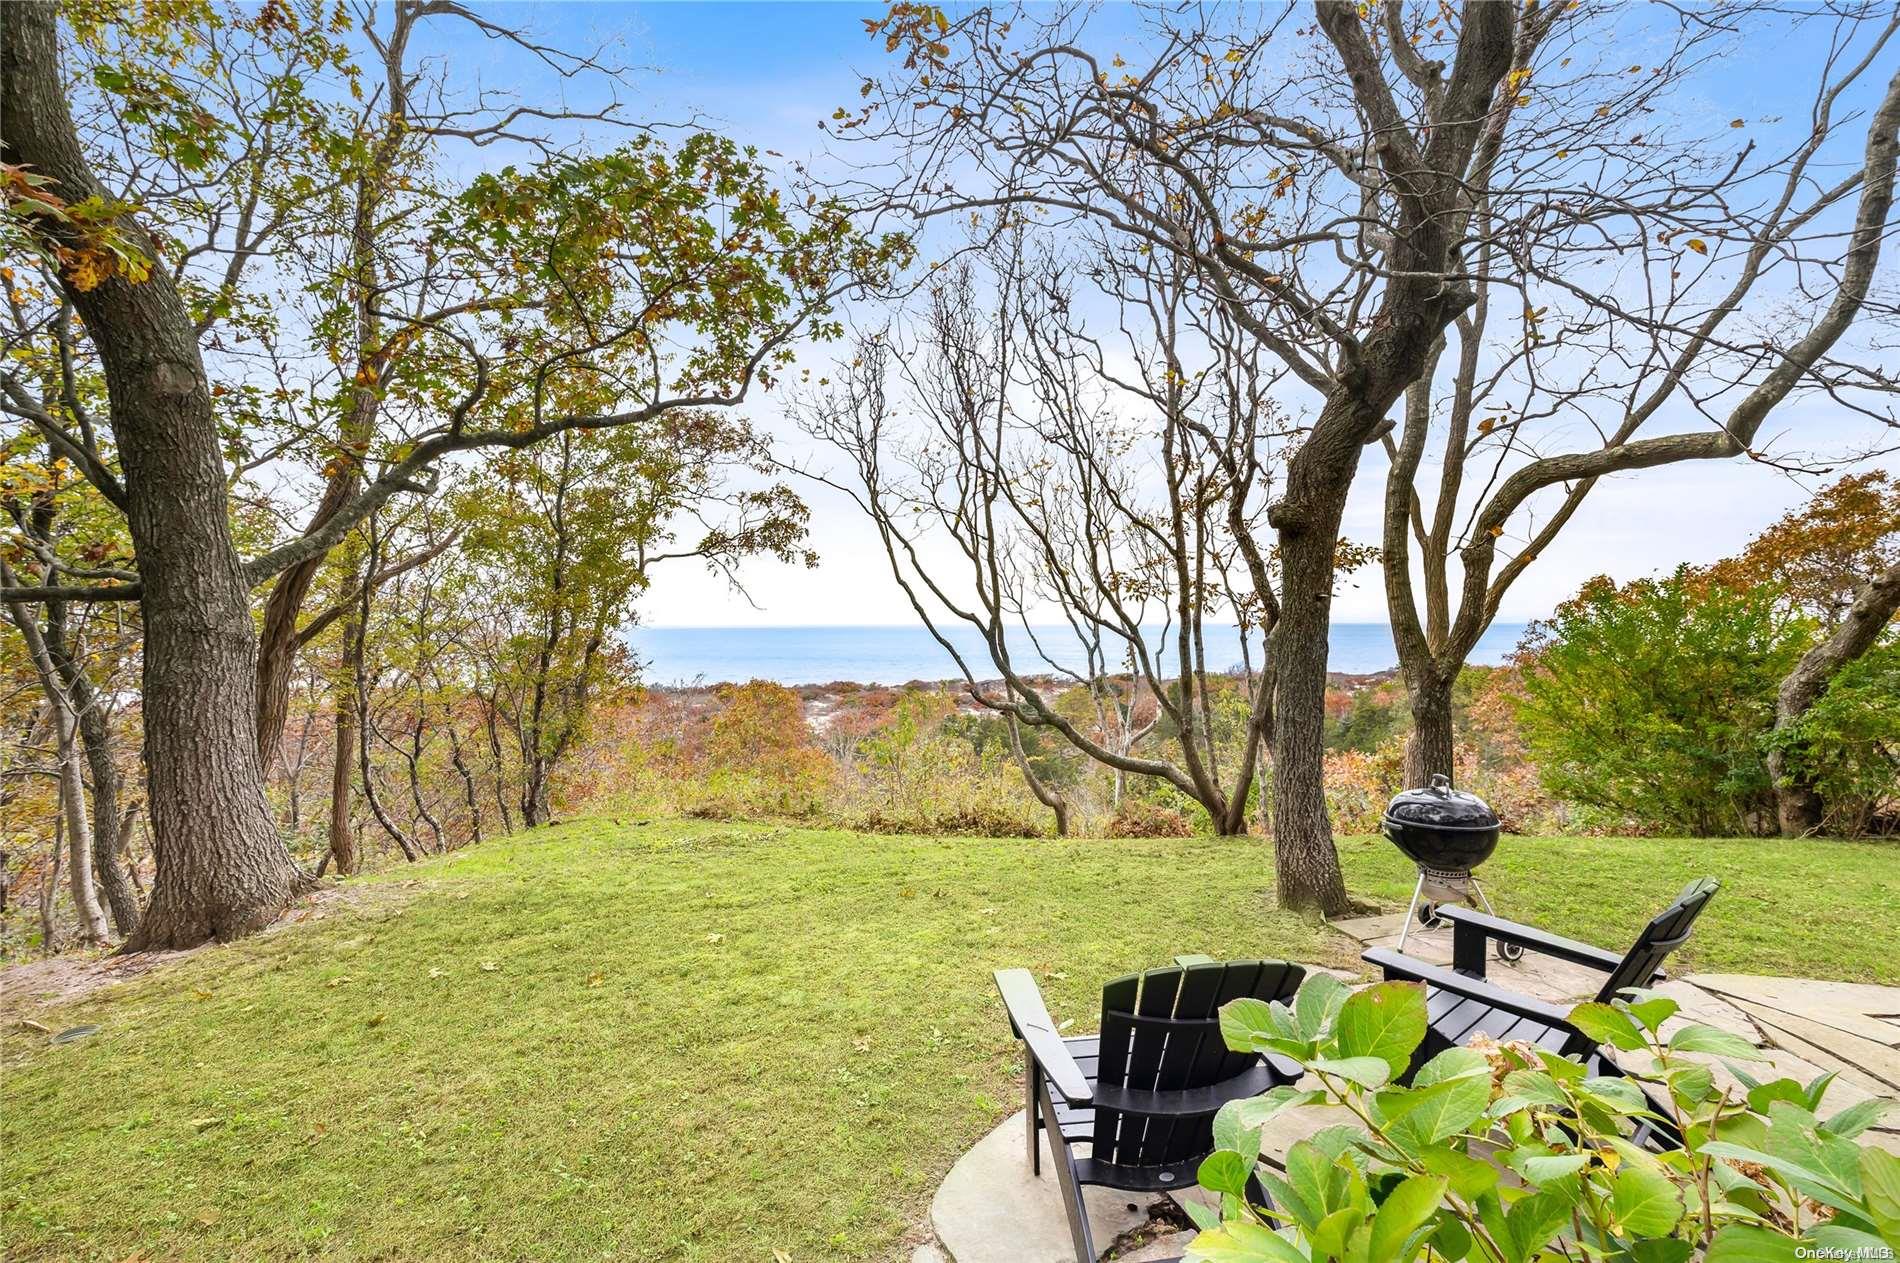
(337, 982)
(377, 1019)
(596, 978)
(201, 993)
(28, 1023)
(489, 966)
(715, 938)
(438, 973)
(206, 1124)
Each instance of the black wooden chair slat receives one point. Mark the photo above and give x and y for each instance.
(1142, 1094)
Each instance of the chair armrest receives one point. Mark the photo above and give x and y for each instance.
(1029, 1018)
(1411, 969)
(1471, 929)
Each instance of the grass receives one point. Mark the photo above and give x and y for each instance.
(692, 1041)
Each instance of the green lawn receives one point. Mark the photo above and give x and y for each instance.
(697, 1041)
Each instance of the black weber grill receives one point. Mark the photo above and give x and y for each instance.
(1447, 833)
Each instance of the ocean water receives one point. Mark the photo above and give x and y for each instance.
(898, 655)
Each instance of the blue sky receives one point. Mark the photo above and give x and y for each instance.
(767, 73)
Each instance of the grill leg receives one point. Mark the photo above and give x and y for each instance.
(1509, 953)
(1418, 892)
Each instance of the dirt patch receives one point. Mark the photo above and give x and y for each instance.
(36, 985)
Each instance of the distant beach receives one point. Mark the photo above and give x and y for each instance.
(900, 654)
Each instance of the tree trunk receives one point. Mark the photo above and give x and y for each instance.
(1798, 807)
(277, 645)
(1305, 862)
(535, 810)
(342, 833)
(222, 870)
(95, 735)
(72, 788)
(1429, 750)
(1045, 794)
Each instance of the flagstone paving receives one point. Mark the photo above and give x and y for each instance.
(991, 1210)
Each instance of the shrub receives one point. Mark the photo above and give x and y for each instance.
(1514, 1153)
(1848, 744)
(1653, 700)
(1138, 819)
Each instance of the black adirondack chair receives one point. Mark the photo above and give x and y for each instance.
(1143, 1093)
(1460, 1002)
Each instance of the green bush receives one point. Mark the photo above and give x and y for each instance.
(1654, 700)
(1848, 744)
(1513, 1154)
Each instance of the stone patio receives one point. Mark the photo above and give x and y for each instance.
(990, 1210)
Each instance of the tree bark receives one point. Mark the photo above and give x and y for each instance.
(342, 833)
(1797, 805)
(1305, 862)
(222, 870)
(1045, 794)
(95, 736)
(1430, 750)
(72, 789)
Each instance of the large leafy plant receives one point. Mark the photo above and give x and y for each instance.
(1514, 1154)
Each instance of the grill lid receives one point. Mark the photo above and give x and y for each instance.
(1441, 806)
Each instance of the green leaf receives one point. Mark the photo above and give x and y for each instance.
(1385, 1020)
(1700, 1038)
(1442, 1109)
(1661, 1250)
(1257, 1110)
(1653, 1010)
(1857, 1118)
(1644, 1202)
(1880, 1191)
(1471, 1178)
(1763, 1095)
(1225, 1171)
(1232, 1132)
(1849, 1243)
(1806, 1177)
(1405, 1209)
(1367, 1072)
(1745, 1243)
(1318, 1003)
(1246, 1020)
(1793, 1135)
(1691, 1084)
(1453, 1063)
(1608, 1025)
(1329, 1238)
(1451, 1239)
(1241, 1242)
(1537, 1087)
(1546, 1167)
(1532, 1223)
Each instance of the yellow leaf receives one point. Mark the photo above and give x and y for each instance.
(1697, 244)
(1235, 54)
